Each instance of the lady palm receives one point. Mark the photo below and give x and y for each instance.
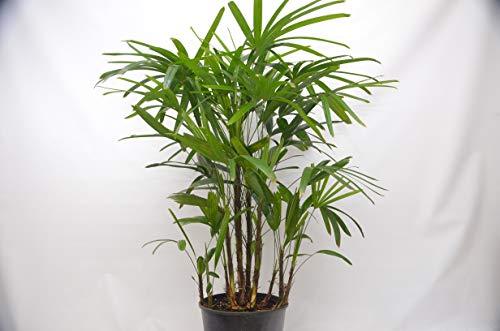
(236, 115)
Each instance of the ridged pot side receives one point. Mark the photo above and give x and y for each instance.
(265, 320)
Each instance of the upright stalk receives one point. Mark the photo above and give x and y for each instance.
(296, 249)
(288, 285)
(209, 291)
(230, 272)
(226, 278)
(248, 267)
(200, 287)
(258, 257)
(270, 290)
(239, 236)
(281, 261)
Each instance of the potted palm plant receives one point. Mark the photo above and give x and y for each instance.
(238, 116)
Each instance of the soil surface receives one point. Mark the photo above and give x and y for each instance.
(220, 302)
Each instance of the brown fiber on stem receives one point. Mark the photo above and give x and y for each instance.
(249, 238)
(258, 257)
(281, 274)
(230, 272)
(270, 290)
(239, 237)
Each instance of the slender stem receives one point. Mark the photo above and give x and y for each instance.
(258, 257)
(281, 274)
(291, 275)
(270, 290)
(302, 263)
(248, 267)
(200, 287)
(183, 232)
(239, 236)
(288, 285)
(230, 271)
(209, 292)
(226, 278)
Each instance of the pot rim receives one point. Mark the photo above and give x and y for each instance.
(240, 313)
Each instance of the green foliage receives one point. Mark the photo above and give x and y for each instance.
(237, 117)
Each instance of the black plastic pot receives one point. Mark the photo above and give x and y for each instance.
(216, 320)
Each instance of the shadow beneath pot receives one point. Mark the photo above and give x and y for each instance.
(6, 317)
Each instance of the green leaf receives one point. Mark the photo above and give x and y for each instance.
(288, 18)
(326, 220)
(180, 47)
(336, 254)
(222, 237)
(313, 20)
(352, 219)
(209, 288)
(299, 47)
(220, 87)
(213, 151)
(257, 18)
(258, 186)
(152, 122)
(258, 145)
(262, 166)
(181, 244)
(343, 196)
(213, 274)
(193, 220)
(315, 39)
(189, 199)
(240, 19)
(135, 136)
(336, 228)
(309, 10)
(341, 223)
(305, 178)
(166, 53)
(275, 219)
(292, 216)
(328, 116)
(160, 242)
(182, 230)
(136, 85)
(338, 109)
(358, 59)
(310, 122)
(286, 194)
(210, 255)
(210, 34)
(193, 65)
(304, 236)
(239, 146)
(232, 169)
(240, 113)
(169, 75)
(350, 96)
(342, 163)
(200, 265)
(276, 14)
(351, 112)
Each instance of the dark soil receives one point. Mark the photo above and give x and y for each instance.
(221, 303)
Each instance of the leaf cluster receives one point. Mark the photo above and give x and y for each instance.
(236, 116)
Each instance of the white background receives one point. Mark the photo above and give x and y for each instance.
(75, 204)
